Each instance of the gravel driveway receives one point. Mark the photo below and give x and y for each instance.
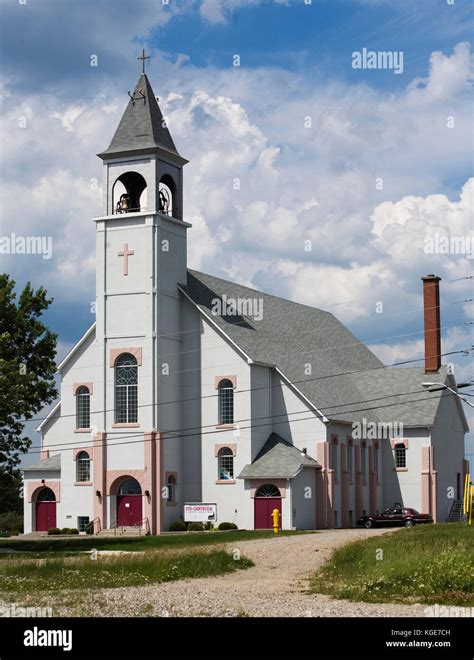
(276, 586)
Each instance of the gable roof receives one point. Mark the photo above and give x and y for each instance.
(142, 127)
(76, 347)
(345, 376)
(277, 459)
(50, 463)
(49, 416)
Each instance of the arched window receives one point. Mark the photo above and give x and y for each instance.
(334, 462)
(83, 467)
(83, 407)
(126, 389)
(400, 455)
(171, 488)
(129, 486)
(129, 193)
(350, 461)
(226, 402)
(268, 490)
(225, 460)
(363, 461)
(46, 495)
(167, 196)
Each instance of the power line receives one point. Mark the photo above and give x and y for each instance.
(256, 389)
(315, 350)
(220, 431)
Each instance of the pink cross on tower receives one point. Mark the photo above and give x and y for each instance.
(126, 253)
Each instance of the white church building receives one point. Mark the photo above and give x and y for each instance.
(192, 389)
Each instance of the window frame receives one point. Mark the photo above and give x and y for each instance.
(83, 459)
(225, 390)
(350, 461)
(83, 407)
(334, 459)
(225, 455)
(171, 483)
(84, 524)
(125, 394)
(400, 455)
(363, 462)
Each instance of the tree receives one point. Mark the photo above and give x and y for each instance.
(27, 366)
(10, 488)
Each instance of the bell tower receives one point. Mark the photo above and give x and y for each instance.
(141, 259)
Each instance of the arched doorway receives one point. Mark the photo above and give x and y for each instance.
(129, 503)
(267, 498)
(45, 510)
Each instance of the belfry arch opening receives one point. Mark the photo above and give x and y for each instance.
(130, 193)
(167, 196)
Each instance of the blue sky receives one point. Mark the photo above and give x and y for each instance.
(248, 121)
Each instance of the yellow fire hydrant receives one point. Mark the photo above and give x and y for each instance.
(276, 517)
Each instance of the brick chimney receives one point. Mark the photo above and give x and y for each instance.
(432, 323)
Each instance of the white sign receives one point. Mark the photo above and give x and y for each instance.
(199, 512)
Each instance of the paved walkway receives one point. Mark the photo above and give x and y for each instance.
(276, 586)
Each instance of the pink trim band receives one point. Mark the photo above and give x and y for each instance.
(399, 441)
(77, 450)
(35, 486)
(256, 483)
(76, 386)
(232, 447)
(136, 351)
(218, 379)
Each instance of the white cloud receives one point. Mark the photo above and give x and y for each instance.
(295, 185)
(448, 76)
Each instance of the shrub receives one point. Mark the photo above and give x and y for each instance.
(196, 527)
(4, 535)
(227, 525)
(89, 528)
(208, 525)
(178, 526)
(73, 530)
(54, 531)
(11, 522)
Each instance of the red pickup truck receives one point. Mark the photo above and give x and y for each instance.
(395, 516)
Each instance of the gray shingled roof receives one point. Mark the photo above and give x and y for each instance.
(141, 127)
(278, 459)
(344, 372)
(51, 463)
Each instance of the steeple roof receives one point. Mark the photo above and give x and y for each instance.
(142, 126)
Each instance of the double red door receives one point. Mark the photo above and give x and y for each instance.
(45, 516)
(129, 510)
(263, 511)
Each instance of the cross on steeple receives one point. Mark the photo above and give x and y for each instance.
(143, 58)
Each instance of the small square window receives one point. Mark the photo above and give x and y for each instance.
(82, 522)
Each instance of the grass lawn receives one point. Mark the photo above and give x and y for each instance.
(24, 576)
(138, 543)
(425, 564)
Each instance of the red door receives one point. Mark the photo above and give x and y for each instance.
(263, 511)
(129, 510)
(45, 516)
